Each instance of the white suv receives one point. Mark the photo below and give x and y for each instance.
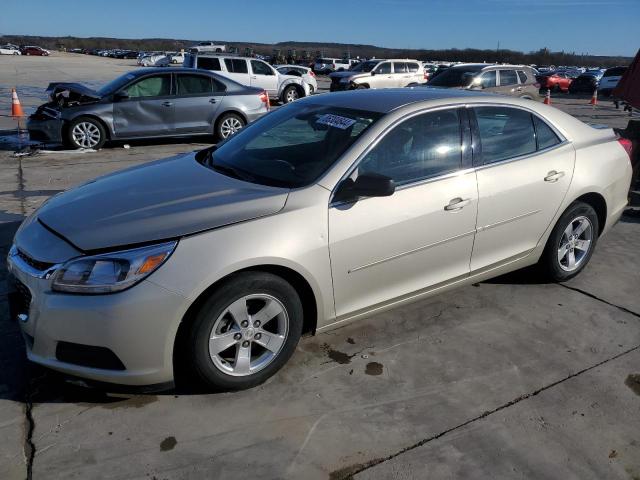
(610, 80)
(252, 72)
(377, 73)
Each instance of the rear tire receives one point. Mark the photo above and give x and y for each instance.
(290, 94)
(571, 243)
(226, 342)
(228, 124)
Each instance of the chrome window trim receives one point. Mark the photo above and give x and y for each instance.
(522, 157)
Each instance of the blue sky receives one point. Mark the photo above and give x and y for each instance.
(600, 27)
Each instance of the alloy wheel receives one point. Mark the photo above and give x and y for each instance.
(86, 134)
(292, 95)
(230, 126)
(575, 244)
(248, 335)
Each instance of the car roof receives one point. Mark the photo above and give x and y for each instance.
(389, 99)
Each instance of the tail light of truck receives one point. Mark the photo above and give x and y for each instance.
(312, 73)
(627, 145)
(264, 98)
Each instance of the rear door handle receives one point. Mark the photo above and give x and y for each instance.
(167, 104)
(553, 176)
(212, 100)
(457, 204)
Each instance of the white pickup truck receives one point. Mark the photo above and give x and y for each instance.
(252, 72)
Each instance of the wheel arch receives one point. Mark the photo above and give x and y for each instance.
(599, 204)
(230, 110)
(91, 116)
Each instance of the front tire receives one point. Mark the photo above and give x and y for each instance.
(86, 132)
(571, 243)
(245, 331)
(229, 124)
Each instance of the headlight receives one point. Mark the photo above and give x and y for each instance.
(110, 272)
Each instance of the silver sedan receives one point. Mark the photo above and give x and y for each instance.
(319, 213)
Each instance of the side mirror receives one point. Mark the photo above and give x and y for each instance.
(373, 72)
(366, 185)
(121, 95)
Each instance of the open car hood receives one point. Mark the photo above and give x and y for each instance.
(71, 93)
(154, 202)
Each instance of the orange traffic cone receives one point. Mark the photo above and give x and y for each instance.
(547, 97)
(16, 108)
(594, 98)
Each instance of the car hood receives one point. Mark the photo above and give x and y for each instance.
(157, 201)
(65, 94)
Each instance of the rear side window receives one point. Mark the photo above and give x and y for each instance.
(615, 72)
(236, 65)
(193, 84)
(545, 137)
(413, 67)
(508, 77)
(504, 133)
(399, 67)
(424, 146)
(208, 63)
(522, 76)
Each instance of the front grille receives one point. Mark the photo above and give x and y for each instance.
(32, 262)
(88, 356)
(19, 298)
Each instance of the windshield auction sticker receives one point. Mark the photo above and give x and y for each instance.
(335, 121)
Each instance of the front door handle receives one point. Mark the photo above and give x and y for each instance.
(212, 100)
(167, 104)
(457, 204)
(553, 176)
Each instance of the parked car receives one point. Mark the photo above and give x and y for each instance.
(554, 81)
(177, 58)
(514, 80)
(159, 60)
(610, 80)
(9, 50)
(33, 50)
(253, 72)
(146, 103)
(320, 213)
(379, 74)
(305, 73)
(210, 47)
(586, 83)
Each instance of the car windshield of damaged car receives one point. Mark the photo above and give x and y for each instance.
(365, 66)
(455, 77)
(115, 84)
(290, 147)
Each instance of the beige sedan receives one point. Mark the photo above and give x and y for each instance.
(319, 213)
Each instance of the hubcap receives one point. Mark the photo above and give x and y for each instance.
(86, 135)
(575, 244)
(292, 95)
(248, 335)
(230, 126)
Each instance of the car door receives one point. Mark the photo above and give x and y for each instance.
(197, 99)
(401, 76)
(263, 76)
(383, 76)
(422, 235)
(524, 171)
(147, 110)
(508, 82)
(237, 69)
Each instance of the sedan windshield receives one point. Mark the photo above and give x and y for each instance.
(292, 146)
(455, 77)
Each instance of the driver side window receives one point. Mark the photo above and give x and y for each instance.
(384, 68)
(424, 146)
(260, 68)
(488, 79)
(155, 86)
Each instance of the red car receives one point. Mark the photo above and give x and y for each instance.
(31, 50)
(555, 81)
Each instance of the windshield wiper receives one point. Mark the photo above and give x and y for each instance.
(231, 171)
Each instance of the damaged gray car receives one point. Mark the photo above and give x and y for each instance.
(146, 103)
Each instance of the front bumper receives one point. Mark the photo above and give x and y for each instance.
(46, 130)
(123, 338)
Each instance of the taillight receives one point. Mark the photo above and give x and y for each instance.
(426, 75)
(264, 98)
(312, 73)
(627, 145)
